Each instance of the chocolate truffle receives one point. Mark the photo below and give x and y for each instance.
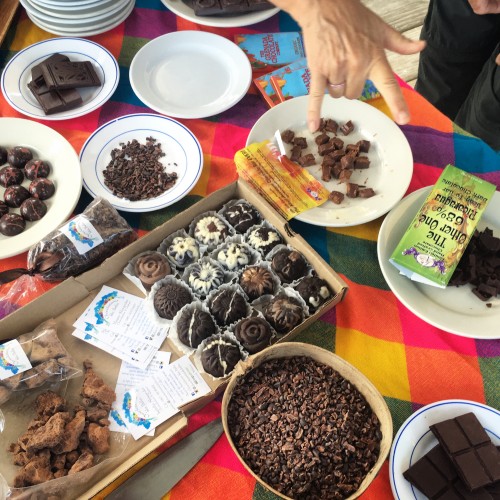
(150, 268)
(253, 334)
(15, 195)
(204, 277)
(42, 188)
(18, 156)
(314, 290)
(235, 256)
(12, 224)
(228, 306)
(264, 239)
(33, 209)
(219, 357)
(36, 168)
(170, 298)
(242, 216)
(4, 209)
(210, 230)
(256, 281)
(284, 313)
(289, 265)
(194, 326)
(183, 251)
(10, 176)
(3, 155)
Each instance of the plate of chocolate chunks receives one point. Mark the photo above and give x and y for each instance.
(461, 310)
(60, 78)
(448, 449)
(222, 13)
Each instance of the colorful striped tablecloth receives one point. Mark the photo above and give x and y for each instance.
(410, 362)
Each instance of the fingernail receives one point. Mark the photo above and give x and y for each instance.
(313, 125)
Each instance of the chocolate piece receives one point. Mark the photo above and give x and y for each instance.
(150, 268)
(18, 156)
(12, 224)
(183, 251)
(3, 155)
(210, 230)
(204, 277)
(9, 176)
(33, 209)
(62, 75)
(94, 387)
(264, 239)
(219, 357)
(321, 139)
(352, 149)
(436, 477)
(289, 265)
(300, 141)
(366, 193)
(4, 209)
(55, 101)
(295, 153)
(345, 175)
(326, 148)
(307, 160)
(337, 155)
(287, 136)
(234, 257)
(364, 146)
(170, 298)
(347, 128)
(284, 313)
(336, 197)
(331, 126)
(314, 290)
(361, 162)
(352, 190)
(254, 334)
(36, 168)
(42, 188)
(242, 216)
(228, 306)
(194, 326)
(15, 195)
(336, 170)
(338, 142)
(471, 451)
(227, 7)
(347, 162)
(36, 71)
(326, 171)
(256, 281)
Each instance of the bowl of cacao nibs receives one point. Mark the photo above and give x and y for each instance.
(306, 423)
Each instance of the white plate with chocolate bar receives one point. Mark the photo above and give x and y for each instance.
(182, 9)
(452, 309)
(26, 90)
(359, 154)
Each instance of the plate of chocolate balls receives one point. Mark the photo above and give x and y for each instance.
(40, 183)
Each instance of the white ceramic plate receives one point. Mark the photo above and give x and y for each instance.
(190, 74)
(46, 144)
(391, 161)
(453, 309)
(182, 150)
(66, 4)
(414, 439)
(182, 10)
(17, 74)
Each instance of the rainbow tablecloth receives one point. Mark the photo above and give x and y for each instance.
(410, 362)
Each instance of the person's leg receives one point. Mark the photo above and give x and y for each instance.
(480, 113)
(459, 42)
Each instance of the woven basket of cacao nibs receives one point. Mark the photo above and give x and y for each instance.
(306, 423)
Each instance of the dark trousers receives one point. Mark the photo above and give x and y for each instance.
(457, 71)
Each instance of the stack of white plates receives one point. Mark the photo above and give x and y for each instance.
(78, 17)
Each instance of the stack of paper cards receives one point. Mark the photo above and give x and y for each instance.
(118, 323)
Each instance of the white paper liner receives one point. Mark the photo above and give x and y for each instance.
(253, 255)
(210, 247)
(230, 203)
(150, 301)
(225, 335)
(165, 244)
(173, 335)
(232, 287)
(265, 224)
(275, 250)
(129, 273)
(276, 283)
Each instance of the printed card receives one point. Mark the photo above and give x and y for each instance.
(13, 359)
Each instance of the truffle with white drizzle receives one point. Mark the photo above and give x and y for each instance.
(194, 326)
(183, 251)
(234, 256)
(205, 276)
(219, 357)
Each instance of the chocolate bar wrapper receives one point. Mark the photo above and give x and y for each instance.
(268, 51)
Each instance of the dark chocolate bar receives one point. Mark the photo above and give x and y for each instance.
(227, 7)
(36, 71)
(69, 75)
(467, 445)
(55, 101)
(435, 476)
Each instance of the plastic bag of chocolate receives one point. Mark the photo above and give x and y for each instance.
(34, 359)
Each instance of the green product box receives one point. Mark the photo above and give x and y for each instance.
(436, 239)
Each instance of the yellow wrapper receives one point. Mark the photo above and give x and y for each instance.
(286, 186)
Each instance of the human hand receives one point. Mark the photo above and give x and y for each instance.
(485, 7)
(344, 43)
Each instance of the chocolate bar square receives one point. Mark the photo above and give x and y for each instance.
(226, 7)
(69, 75)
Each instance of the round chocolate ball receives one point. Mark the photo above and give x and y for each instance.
(220, 356)
(264, 239)
(254, 334)
(242, 216)
(10, 176)
(183, 251)
(33, 209)
(314, 290)
(36, 168)
(12, 224)
(15, 195)
(170, 298)
(256, 281)
(4, 209)
(289, 265)
(3, 155)
(284, 313)
(194, 326)
(42, 188)
(234, 256)
(18, 156)
(228, 306)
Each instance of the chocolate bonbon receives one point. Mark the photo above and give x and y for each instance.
(227, 7)
(170, 298)
(194, 326)
(42, 188)
(254, 334)
(284, 313)
(18, 156)
(9, 176)
(219, 356)
(150, 268)
(15, 195)
(33, 209)
(289, 265)
(256, 281)
(210, 230)
(12, 224)
(228, 306)
(4, 209)
(242, 216)
(314, 290)
(36, 168)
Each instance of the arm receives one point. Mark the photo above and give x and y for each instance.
(486, 7)
(345, 44)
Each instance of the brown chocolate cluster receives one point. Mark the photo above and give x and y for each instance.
(60, 442)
